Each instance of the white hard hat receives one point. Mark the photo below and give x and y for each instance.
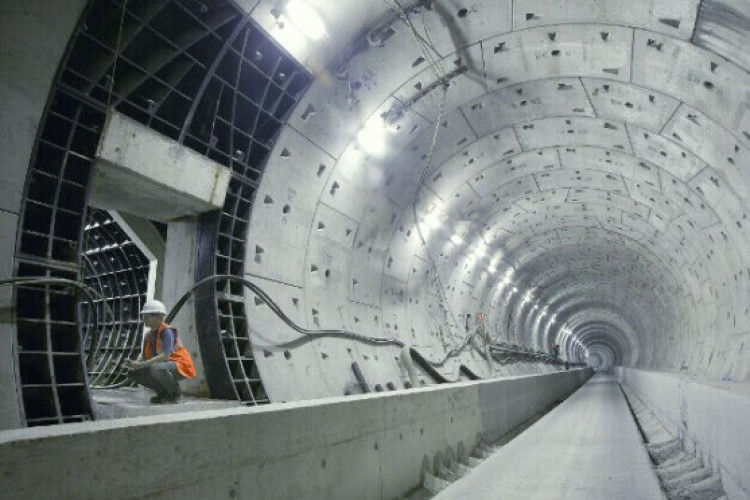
(153, 306)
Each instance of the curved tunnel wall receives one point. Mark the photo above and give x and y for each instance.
(590, 175)
(585, 187)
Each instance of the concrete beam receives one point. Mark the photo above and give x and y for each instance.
(146, 174)
(366, 447)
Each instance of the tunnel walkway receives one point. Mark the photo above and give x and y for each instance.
(586, 448)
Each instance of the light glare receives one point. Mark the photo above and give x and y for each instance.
(372, 138)
(306, 19)
(432, 221)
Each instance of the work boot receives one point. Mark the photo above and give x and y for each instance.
(157, 399)
(175, 397)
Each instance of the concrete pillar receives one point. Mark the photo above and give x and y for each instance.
(28, 65)
(179, 265)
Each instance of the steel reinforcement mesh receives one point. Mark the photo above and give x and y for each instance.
(200, 73)
(118, 270)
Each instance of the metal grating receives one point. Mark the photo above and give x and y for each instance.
(230, 255)
(53, 381)
(116, 268)
(200, 73)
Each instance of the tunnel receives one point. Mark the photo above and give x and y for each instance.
(433, 226)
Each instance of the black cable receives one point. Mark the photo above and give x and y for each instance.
(277, 310)
(81, 287)
(262, 295)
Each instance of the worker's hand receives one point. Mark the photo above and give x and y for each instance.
(133, 365)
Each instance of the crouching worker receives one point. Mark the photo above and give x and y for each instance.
(164, 360)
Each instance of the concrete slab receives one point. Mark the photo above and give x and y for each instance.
(588, 447)
(134, 402)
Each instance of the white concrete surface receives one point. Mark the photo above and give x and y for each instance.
(590, 152)
(712, 419)
(586, 448)
(146, 174)
(369, 446)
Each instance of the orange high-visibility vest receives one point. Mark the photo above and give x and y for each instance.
(179, 355)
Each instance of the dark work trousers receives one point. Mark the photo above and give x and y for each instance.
(162, 378)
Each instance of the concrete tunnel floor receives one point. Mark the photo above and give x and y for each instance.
(129, 402)
(588, 447)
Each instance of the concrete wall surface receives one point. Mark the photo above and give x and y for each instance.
(367, 446)
(712, 418)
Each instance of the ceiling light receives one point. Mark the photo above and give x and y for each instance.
(372, 137)
(492, 269)
(306, 19)
(456, 239)
(432, 220)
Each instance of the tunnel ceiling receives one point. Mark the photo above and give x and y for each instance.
(575, 170)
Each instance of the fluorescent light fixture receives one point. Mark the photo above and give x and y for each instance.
(515, 289)
(306, 19)
(492, 269)
(456, 239)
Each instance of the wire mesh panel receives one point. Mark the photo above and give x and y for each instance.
(201, 73)
(118, 270)
(244, 104)
(52, 376)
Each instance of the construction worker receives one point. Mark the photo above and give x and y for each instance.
(164, 360)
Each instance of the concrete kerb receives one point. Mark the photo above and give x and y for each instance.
(371, 446)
